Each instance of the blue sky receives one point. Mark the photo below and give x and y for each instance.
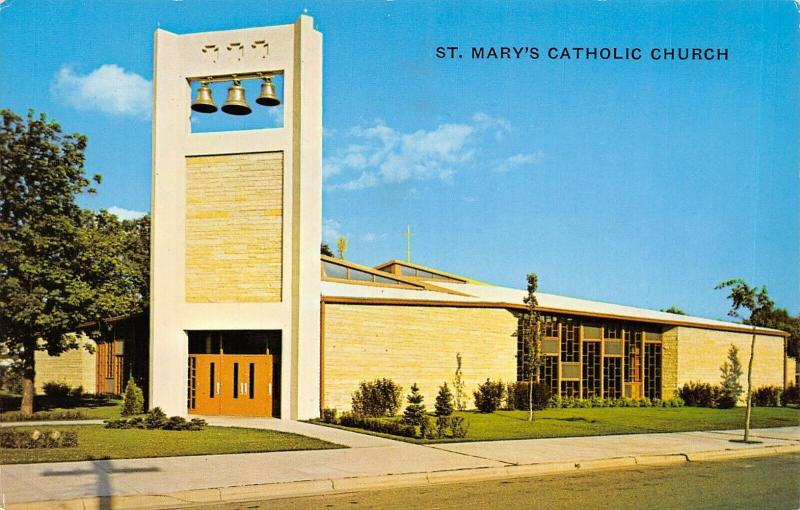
(635, 182)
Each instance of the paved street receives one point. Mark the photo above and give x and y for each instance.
(764, 483)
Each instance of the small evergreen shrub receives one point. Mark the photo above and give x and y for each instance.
(458, 427)
(157, 420)
(383, 426)
(35, 439)
(791, 395)
(444, 401)
(56, 390)
(327, 415)
(134, 399)
(767, 396)
(731, 372)
(517, 396)
(414, 413)
(377, 398)
(489, 396)
(700, 394)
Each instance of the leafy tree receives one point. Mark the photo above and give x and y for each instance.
(761, 309)
(779, 318)
(674, 309)
(414, 413)
(731, 373)
(531, 334)
(444, 401)
(458, 385)
(60, 266)
(325, 249)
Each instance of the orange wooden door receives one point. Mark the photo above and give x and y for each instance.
(246, 385)
(205, 385)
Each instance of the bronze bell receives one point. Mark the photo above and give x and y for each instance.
(203, 102)
(268, 97)
(236, 104)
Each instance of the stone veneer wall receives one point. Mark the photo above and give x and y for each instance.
(234, 219)
(75, 367)
(414, 344)
(669, 363)
(703, 351)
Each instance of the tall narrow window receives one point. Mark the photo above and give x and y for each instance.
(252, 380)
(235, 380)
(211, 379)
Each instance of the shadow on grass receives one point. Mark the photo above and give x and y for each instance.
(48, 403)
(537, 417)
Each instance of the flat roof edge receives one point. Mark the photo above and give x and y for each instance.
(518, 306)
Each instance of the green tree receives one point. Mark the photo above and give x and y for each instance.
(731, 373)
(531, 334)
(458, 385)
(780, 318)
(325, 249)
(674, 309)
(761, 308)
(444, 401)
(60, 266)
(414, 412)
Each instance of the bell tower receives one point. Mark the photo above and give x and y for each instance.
(236, 216)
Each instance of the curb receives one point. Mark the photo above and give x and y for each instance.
(269, 491)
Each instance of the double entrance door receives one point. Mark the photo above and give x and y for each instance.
(230, 384)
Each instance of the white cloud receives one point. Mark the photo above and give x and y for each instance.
(519, 160)
(125, 214)
(109, 89)
(371, 237)
(331, 230)
(382, 154)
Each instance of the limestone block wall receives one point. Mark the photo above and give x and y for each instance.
(669, 363)
(703, 351)
(234, 242)
(414, 344)
(75, 367)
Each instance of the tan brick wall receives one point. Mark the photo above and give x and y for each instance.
(669, 362)
(234, 214)
(75, 367)
(703, 351)
(415, 344)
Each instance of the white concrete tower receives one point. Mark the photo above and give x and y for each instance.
(236, 221)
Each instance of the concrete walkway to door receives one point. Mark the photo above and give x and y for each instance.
(333, 435)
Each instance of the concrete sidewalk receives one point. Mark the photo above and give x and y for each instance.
(369, 462)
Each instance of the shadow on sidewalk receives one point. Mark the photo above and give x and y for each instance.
(101, 468)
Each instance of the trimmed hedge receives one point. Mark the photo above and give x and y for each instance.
(700, 394)
(37, 439)
(517, 396)
(42, 416)
(572, 402)
(767, 396)
(378, 425)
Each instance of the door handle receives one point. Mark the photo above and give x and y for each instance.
(270, 388)
(217, 388)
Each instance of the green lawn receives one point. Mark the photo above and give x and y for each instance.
(90, 407)
(97, 442)
(609, 421)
